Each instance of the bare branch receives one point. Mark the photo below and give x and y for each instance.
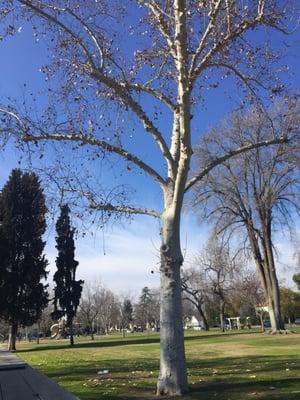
(100, 143)
(55, 21)
(220, 160)
(124, 209)
(163, 27)
(119, 88)
(240, 29)
(91, 34)
(15, 116)
(244, 78)
(211, 25)
(156, 93)
(84, 139)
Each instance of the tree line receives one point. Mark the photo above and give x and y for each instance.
(221, 284)
(102, 311)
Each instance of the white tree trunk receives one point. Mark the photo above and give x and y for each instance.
(173, 375)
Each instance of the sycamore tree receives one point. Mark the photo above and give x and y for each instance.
(122, 69)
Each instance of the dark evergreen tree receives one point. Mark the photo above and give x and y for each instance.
(296, 279)
(22, 264)
(144, 307)
(67, 291)
(126, 314)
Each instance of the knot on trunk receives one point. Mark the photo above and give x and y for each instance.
(164, 249)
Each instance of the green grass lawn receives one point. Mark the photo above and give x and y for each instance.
(230, 366)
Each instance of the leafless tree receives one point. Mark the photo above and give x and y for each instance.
(247, 295)
(46, 321)
(258, 192)
(90, 305)
(196, 290)
(109, 310)
(188, 311)
(219, 266)
(172, 52)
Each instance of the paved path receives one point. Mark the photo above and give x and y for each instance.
(18, 381)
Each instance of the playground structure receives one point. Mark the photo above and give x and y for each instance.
(59, 330)
(238, 322)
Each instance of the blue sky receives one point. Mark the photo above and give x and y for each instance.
(131, 252)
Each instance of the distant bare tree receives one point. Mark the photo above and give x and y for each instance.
(109, 305)
(257, 192)
(247, 295)
(196, 291)
(46, 321)
(188, 310)
(90, 305)
(220, 267)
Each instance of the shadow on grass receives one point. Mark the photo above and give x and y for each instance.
(262, 389)
(124, 342)
(241, 365)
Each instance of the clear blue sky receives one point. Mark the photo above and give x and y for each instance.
(130, 257)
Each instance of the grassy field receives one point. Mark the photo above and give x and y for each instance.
(230, 366)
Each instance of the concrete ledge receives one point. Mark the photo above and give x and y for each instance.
(18, 381)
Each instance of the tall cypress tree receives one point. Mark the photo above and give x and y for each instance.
(22, 264)
(126, 314)
(67, 291)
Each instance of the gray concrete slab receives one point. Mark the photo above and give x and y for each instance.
(10, 360)
(18, 381)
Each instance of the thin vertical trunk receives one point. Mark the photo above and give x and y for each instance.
(12, 336)
(71, 334)
(203, 317)
(222, 315)
(92, 330)
(261, 322)
(38, 333)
